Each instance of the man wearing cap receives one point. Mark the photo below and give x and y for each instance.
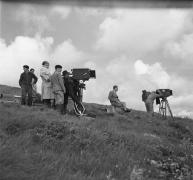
(58, 88)
(27, 79)
(71, 90)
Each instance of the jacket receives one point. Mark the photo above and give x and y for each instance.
(26, 79)
(57, 82)
(113, 97)
(152, 96)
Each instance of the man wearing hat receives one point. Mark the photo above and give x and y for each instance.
(27, 79)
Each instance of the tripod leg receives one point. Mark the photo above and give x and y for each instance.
(162, 109)
(165, 110)
(168, 106)
(162, 102)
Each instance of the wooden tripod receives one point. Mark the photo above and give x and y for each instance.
(163, 107)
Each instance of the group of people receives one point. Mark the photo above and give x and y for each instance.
(147, 97)
(55, 89)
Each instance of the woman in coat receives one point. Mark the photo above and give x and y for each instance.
(47, 94)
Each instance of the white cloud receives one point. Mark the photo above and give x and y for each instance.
(32, 51)
(62, 11)
(140, 67)
(139, 30)
(154, 73)
(67, 54)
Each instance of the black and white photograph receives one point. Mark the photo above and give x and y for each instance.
(96, 90)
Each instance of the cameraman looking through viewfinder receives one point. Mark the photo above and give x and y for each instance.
(72, 90)
(148, 98)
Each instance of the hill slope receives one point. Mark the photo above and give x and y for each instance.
(38, 143)
(10, 90)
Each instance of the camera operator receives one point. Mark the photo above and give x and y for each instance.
(72, 90)
(148, 98)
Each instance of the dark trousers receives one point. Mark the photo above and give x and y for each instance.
(26, 90)
(73, 94)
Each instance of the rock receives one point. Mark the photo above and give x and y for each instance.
(136, 174)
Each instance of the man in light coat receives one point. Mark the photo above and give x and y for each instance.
(47, 94)
(58, 88)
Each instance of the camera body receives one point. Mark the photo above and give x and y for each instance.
(164, 93)
(79, 76)
(83, 74)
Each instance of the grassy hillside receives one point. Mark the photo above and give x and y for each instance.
(10, 90)
(39, 144)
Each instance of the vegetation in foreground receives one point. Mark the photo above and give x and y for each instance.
(39, 144)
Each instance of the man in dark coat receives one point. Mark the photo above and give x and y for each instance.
(27, 79)
(72, 90)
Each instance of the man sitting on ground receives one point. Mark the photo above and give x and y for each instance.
(114, 100)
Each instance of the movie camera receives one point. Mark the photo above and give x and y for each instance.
(164, 93)
(83, 74)
(164, 104)
(79, 76)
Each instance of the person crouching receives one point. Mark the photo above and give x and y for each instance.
(149, 101)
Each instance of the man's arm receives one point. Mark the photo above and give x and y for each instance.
(20, 80)
(35, 78)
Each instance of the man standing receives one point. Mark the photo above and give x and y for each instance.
(47, 94)
(114, 100)
(34, 86)
(58, 88)
(26, 83)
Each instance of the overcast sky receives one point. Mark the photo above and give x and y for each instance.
(143, 48)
